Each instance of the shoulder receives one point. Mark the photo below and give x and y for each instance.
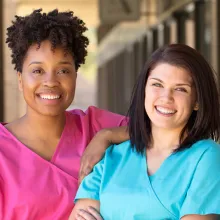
(123, 149)
(209, 152)
(89, 110)
(94, 111)
(6, 138)
(203, 184)
(201, 147)
(3, 131)
(206, 143)
(212, 152)
(207, 147)
(76, 112)
(100, 118)
(98, 112)
(201, 156)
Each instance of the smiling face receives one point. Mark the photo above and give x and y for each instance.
(170, 97)
(47, 80)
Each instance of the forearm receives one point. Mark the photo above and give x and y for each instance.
(83, 207)
(114, 135)
(201, 217)
(97, 146)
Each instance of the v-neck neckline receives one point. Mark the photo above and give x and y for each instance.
(53, 158)
(156, 174)
(148, 180)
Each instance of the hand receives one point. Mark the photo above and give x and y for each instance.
(96, 148)
(90, 214)
(94, 152)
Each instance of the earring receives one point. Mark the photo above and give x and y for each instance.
(196, 107)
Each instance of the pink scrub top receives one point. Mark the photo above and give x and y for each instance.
(32, 188)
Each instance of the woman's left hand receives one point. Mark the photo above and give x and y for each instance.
(96, 148)
(89, 214)
(94, 152)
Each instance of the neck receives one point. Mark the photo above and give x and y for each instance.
(163, 139)
(42, 126)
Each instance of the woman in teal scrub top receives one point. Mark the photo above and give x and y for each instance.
(170, 167)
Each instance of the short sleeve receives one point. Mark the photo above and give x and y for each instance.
(203, 196)
(90, 186)
(101, 119)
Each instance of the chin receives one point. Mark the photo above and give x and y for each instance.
(51, 112)
(165, 126)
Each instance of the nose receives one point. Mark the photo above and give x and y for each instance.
(51, 79)
(167, 95)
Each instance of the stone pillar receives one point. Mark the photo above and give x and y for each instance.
(13, 101)
(1, 66)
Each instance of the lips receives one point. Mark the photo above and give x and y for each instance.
(165, 111)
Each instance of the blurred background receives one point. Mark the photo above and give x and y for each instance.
(122, 34)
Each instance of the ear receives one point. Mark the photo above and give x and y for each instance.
(196, 107)
(20, 84)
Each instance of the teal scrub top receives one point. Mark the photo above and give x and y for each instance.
(187, 182)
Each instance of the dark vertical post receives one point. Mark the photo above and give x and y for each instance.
(218, 39)
(1, 64)
(181, 26)
(150, 48)
(166, 33)
(200, 26)
(155, 38)
(144, 50)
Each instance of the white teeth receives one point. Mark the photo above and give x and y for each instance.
(165, 110)
(50, 96)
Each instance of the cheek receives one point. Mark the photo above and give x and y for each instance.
(28, 86)
(150, 97)
(70, 85)
(185, 101)
(151, 94)
(30, 81)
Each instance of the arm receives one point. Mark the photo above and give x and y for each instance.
(87, 209)
(100, 142)
(200, 217)
(87, 205)
(202, 199)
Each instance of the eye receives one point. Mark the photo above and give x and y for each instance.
(37, 71)
(157, 84)
(181, 89)
(63, 71)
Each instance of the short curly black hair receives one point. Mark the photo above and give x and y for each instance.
(60, 28)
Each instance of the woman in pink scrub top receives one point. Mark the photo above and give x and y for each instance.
(40, 152)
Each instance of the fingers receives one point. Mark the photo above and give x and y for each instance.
(95, 213)
(81, 176)
(78, 217)
(90, 214)
(93, 153)
(83, 215)
(85, 169)
(86, 166)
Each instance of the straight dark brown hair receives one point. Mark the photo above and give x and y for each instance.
(202, 124)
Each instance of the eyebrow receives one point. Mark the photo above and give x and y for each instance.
(178, 84)
(61, 62)
(65, 62)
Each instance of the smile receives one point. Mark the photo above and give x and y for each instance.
(50, 97)
(165, 111)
